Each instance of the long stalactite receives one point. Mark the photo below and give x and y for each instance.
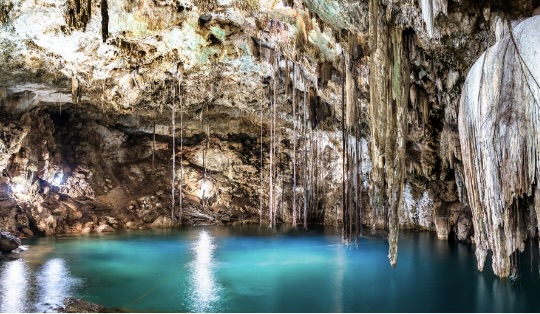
(173, 131)
(294, 146)
(181, 183)
(389, 96)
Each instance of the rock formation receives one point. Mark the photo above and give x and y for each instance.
(350, 109)
(73, 305)
(8, 242)
(499, 126)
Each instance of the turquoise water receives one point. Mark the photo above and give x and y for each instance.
(252, 269)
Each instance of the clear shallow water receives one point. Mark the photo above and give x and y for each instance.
(251, 269)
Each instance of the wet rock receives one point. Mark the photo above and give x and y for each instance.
(131, 225)
(104, 228)
(463, 229)
(162, 221)
(441, 227)
(8, 242)
(73, 305)
(27, 232)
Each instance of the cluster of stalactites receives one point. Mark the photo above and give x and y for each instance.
(389, 96)
(430, 11)
(78, 13)
(352, 206)
(499, 124)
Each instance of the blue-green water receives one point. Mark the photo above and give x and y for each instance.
(252, 269)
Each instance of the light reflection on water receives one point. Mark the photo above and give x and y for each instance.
(14, 279)
(205, 289)
(18, 283)
(340, 272)
(54, 284)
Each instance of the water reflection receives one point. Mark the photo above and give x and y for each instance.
(14, 279)
(54, 284)
(204, 285)
(340, 272)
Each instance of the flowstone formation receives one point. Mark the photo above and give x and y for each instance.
(143, 114)
(499, 124)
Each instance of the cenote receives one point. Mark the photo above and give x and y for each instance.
(254, 269)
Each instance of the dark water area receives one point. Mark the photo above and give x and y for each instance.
(253, 269)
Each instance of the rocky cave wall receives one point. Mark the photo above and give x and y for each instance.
(89, 91)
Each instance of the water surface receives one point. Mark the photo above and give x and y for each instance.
(252, 269)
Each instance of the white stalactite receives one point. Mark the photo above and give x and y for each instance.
(430, 11)
(499, 124)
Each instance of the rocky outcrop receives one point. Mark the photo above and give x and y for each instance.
(73, 305)
(8, 242)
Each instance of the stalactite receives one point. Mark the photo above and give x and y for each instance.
(350, 185)
(271, 166)
(430, 10)
(379, 64)
(75, 89)
(261, 156)
(304, 136)
(275, 142)
(294, 146)
(344, 158)
(312, 189)
(350, 129)
(359, 182)
(153, 144)
(180, 188)
(104, 20)
(400, 98)
(262, 168)
(173, 130)
(499, 120)
(316, 170)
(389, 95)
(355, 186)
(206, 127)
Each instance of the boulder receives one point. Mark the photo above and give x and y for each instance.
(73, 305)
(104, 228)
(27, 232)
(8, 242)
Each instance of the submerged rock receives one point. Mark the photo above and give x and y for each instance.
(73, 305)
(8, 242)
